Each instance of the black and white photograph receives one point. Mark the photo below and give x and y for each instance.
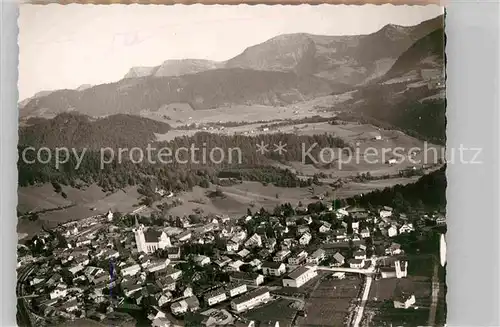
(232, 165)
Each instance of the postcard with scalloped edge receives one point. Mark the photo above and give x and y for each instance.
(231, 165)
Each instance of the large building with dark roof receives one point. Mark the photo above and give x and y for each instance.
(150, 240)
(299, 276)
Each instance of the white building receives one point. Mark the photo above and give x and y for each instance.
(365, 232)
(161, 322)
(406, 228)
(59, 292)
(299, 277)
(339, 275)
(158, 265)
(150, 240)
(188, 304)
(298, 259)
(243, 253)
(392, 231)
(251, 299)
(109, 216)
(174, 253)
(235, 265)
(184, 236)
(273, 268)
(130, 270)
(179, 307)
(281, 255)
(247, 278)
(316, 257)
(232, 246)
(400, 270)
(215, 296)
(305, 239)
(356, 263)
(254, 240)
(355, 225)
(236, 288)
(385, 213)
(201, 260)
(404, 301)
(342, 212)
(360, 254)
(339, 258)
(325, 227)
(76, 268)
(394, 249)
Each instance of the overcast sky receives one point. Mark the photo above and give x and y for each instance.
(67, 46)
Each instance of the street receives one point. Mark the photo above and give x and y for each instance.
(364, 298)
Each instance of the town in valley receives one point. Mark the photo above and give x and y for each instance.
(304, 172)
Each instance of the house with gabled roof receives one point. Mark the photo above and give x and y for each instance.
(273, 268)
(299, 277)
(316, 257)
(339, 258)
(215, 296)
(251, 299)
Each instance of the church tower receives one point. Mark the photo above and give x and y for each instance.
(401, 270)
(140, 240)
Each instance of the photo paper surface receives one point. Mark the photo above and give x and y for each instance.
(232, 165)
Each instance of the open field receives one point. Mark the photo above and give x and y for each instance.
(182, 114)
(380, 308)
(368, 154)
(84, 203)
(36, 198)
(330, 303)
(255, 195)
(380, 311)
(237, 198)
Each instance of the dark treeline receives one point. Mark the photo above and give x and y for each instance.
(267, 175)
(74, 130)
(112, 176)
(247, 146)
(174, 175)
(222, 124)
(425, 120)
(428, 193)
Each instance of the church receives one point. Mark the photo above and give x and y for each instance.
(150, 240)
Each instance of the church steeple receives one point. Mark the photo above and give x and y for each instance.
(140, 240)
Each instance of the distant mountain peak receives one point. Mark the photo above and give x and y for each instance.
(279, 71)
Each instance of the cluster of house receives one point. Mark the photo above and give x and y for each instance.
(248, 258)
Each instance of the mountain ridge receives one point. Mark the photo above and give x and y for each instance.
(204, 90)
(390, 31)
(286, 69)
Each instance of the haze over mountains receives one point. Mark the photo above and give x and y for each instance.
(389, 69)
(345, 59)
